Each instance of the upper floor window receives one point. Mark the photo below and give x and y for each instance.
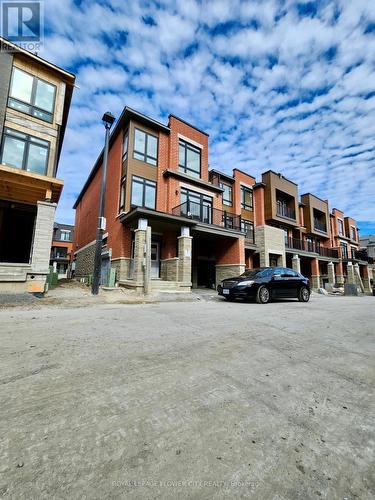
(122, 195)
(344, 250)
(247, 227)
(143, 192)
(125, 147)
(227, 194)
(31, 95)
(354, 233)
(246, 198)
(145, 147)
(341, 227)
(24, 151)
(189, 159)
(65, 235)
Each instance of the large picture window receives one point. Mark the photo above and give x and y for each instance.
(247, 227)
(24, 151)
(31, 95)
(145, 147)
(143, 192)
(189, 159)
(246, 198)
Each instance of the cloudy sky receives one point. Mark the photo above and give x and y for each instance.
(281, 85)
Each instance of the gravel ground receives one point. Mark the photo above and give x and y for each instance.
(202, 400)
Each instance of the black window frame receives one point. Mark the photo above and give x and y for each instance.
(144, 182)
(27, 139)
(244, 223)
(122, 194)
(227, 202)
(65, 231)
(243, 203)
(340, 225)
(187, 146)
(31, 104)
(125, 151)
(144, 153)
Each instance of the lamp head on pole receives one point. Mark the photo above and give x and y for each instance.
(108, 119)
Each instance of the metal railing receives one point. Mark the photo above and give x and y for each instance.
(312, 247)
(320, 225)
(360, 255)
(206, 213)
(284, 211)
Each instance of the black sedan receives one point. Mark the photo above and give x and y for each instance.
(266, 283)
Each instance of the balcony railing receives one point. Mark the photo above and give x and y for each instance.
(320, 225)
(205, 213)
(312, 247)
(360, 255)
(283, 211)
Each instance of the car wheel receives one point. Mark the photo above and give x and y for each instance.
(304, 294)
(263, 295)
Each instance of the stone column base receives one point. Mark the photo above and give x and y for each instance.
(224, 271)
(169, 269)
(340, 280)
(122, 266)
(315, 282)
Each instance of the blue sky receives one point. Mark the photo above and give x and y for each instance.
(281, 85)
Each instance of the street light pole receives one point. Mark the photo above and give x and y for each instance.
(108, 120)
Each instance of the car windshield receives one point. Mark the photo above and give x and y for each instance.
(253, 273)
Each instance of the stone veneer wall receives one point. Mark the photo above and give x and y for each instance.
(224, 271)
(122, 266)
(270, 240)
(85, 261)
(169, 269)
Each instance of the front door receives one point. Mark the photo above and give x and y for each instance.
(155, 260)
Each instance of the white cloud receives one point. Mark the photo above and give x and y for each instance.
(274, 88)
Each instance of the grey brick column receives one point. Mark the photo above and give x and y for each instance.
(296, 263)
(139, 256)
(331, 273)
(350, 270)
(185, 243)
(43, 236)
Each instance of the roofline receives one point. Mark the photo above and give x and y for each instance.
(278, 174)
(37, 58)
(222, 174)
(117, 128)
(314, 195)
(245, 173)
(187, 123)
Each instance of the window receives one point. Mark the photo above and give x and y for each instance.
(143, 192)
(125, 146)
(354, 233)
(246, 198)
(189, 159)
(65, 235)
(61, 253)
(227, 195)
(31, 95)
(122, 195)
(341, 227)
(24, 151)
(196, 206)
(248, 228)
(145, 147)
(344, 250)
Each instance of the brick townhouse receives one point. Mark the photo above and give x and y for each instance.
(62, 249)
(200, 224)
(35, 97)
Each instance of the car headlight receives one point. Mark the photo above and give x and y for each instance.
(246, 283)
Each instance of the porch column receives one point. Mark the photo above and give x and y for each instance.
(331, 273)
(366, 279)
(339, 274)
(141, 255)
(357, 277)
(184, 256)
(296, 263)
(350, 270)
(315, 274)
(43, 236)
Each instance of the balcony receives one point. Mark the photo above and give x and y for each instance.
(285, 211)
(208, 215)
(360, 255)
(320, 225)
(311, 247)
